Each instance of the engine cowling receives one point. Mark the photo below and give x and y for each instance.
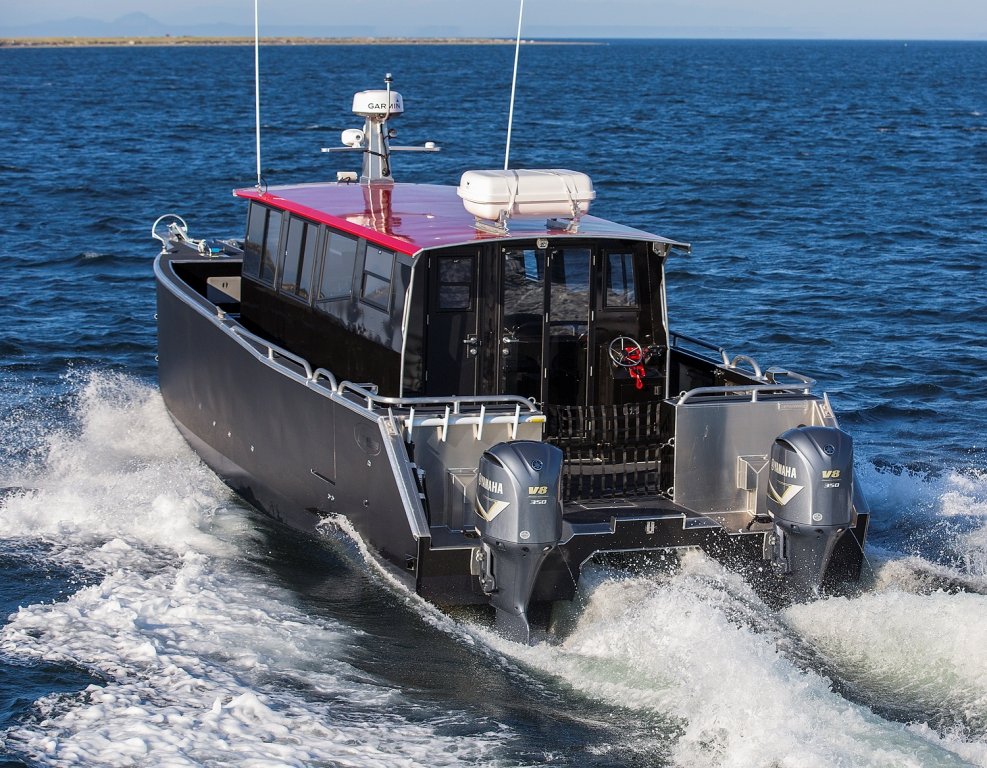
(810, 499)
(519, 511)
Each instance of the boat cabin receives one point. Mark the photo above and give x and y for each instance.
(395, 286)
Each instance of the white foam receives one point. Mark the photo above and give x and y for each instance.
(901, 496)
(941, 518)
(204, 665)
(121, 471)
(699, 648)
(915, 652)
(202, 662)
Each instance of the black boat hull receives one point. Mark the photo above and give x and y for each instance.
(279, 441)
(302, 449)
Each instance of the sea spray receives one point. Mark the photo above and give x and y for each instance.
(201, 660)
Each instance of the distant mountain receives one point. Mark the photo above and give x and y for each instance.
(142, 25)
(135, 24)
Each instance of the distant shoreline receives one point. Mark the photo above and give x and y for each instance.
(186, 40)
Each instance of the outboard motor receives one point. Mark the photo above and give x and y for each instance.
(809, 497)
(520, 521)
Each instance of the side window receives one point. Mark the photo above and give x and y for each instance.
(375, 287)
(299, 257)
(620, 280)
(337, 267)
(307, 268)
(292, 256)
(455, 283)
(268, 258)
(256, 221)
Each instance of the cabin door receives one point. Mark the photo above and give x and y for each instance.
(546, 324)
(452, 344)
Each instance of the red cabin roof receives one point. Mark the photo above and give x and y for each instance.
(411, 217)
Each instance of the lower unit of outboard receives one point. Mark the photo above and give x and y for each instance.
(809, 498)
(519, 507)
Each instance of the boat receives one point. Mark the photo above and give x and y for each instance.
(481, 380)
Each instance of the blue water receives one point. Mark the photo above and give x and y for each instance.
(835, 197)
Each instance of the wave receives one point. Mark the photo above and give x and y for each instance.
(891, 676)
(199, 657)
(700, 648)
(200, 660)
(939, 515)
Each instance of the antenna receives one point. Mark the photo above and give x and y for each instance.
(257, 88)
(374, 141)
(510, 116)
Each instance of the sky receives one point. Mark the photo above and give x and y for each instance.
(848, 19)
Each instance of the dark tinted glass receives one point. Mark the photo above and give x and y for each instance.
(337, 271)
(376, 291)
(270, 252)
(377, 266)
(455, 282)
(620, 280)
(256, 220)
(307, 266)
(292, 256)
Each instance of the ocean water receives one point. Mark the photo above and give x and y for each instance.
(836, 198)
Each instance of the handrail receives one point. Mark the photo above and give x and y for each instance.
(273, 351)
(752, 389)
(455, 401)
(775, 371)
(316, 378)
(673, 337)
(323, 373)
(746, 359)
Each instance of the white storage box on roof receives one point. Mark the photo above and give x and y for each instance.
(552, 192)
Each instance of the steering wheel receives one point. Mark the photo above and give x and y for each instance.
(626, 352)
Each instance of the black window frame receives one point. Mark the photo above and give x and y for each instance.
(307, 257)
(329, 237)
(441, 283)
(253, 246)
(629, 260)
(366, 297)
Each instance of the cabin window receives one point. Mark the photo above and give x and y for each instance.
(268, 259)
(376, 284)
(569, 309)
(534, 265)
(299, 258)
(256, 222)
(620, 280)
(455, 283)
(306, 269)
(338, 266)
(261, 248)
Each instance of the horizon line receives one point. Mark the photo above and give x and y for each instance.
(453, 39)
